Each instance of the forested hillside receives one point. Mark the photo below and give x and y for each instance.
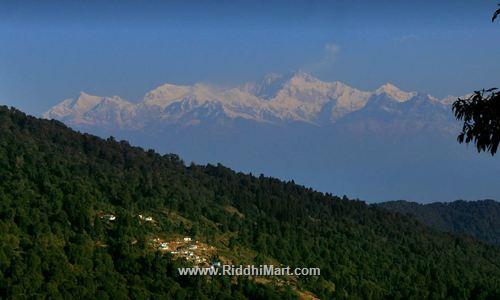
(480, 219)
(298, 126)
(56, 184)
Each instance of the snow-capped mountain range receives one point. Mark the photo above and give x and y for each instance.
(295, 97)
(384, 144)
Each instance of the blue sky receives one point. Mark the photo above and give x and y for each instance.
(52, 50)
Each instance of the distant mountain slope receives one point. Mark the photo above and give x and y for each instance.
(72, 220)
(326, 135)
(480, 219)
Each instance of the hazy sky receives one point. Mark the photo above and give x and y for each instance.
(51, 50)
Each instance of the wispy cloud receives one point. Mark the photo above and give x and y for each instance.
(406, 38)
(330, 53)
(328, 58)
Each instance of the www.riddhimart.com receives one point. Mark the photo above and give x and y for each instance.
(248, 270)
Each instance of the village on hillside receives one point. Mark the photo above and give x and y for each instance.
(185, 248)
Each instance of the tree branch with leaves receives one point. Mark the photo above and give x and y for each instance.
(481, 116)
(495, 15)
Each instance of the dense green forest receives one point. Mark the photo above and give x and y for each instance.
(55, 182)
(480, 219)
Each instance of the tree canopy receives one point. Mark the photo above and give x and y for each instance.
(480, 219)
(55, 185)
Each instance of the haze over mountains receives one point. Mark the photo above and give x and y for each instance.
(295, 97)
(377, 145)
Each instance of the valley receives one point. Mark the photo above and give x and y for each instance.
(74, 200)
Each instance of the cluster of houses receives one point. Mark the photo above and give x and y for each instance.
(106, 216)
(147, 219)
(186, 248)
(111, 217)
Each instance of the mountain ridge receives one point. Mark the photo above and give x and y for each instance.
(327, 135)
(294, 97)
(480, 219)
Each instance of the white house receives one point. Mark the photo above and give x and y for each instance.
(108, 217)
(163, 246)
(216, 264)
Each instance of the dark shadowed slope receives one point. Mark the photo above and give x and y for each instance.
(480, 219)
(59, 187)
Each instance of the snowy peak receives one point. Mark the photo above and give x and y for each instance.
(300, 81)
(448, 100)
(165, 94)
(303, 97)
(394, 92)
(269, 87)
(300, 78)
(86, 102)
(60, 110)
(68, 107)
(292, 97)
(266, 88)
(168, 94)
(90, 110)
